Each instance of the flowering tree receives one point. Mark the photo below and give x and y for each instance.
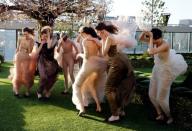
(152, 10)
(46, 11)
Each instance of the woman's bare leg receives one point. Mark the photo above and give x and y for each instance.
(71, 69)
(163, 98)
(94, 95)
(65, 71)
(153, 89)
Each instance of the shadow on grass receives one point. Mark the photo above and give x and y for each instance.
(136, 118)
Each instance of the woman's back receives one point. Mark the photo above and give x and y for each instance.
(92, 47)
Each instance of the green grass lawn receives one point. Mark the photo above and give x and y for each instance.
(59, 113)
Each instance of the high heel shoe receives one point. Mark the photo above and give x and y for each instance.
(114, 119)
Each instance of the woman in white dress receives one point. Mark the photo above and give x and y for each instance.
(167, 67)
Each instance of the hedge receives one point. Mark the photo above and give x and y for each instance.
(1, 61)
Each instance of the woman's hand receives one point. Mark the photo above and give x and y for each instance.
(151, 51)
(145, 36)
(148, 34)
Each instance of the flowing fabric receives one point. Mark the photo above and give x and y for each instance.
(178, 63)
(163, 74)
(24, 75)
(93, 64)
(126, 35)
(47, 67)
(59, 56)
(120, 83)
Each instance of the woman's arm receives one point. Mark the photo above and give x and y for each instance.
(161, 48)
(31, 45)
(37, 48)
(151, 50)
(106, 46)
(85, 49)
(98, 43)
(144, 37)
(148, 37)
(75, 47)
(78, 39)
(49, 40)
(59, 44)
(18, 45)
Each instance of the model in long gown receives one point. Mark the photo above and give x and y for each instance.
(92, 71)
(168, 65)
(48, 70)
(23, 71)
(91, 75)
(120, 82)
(68, 60)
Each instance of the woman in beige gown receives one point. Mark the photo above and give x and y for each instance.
(68, 59)
(91, 63)
(23, 73)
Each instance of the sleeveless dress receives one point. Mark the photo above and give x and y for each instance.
(167, 67)
(120, 80)
(47, 67)
(90, 65)
(21, 74)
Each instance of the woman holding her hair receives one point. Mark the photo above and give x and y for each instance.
(47, 65)
(163, 73)
(120, 82)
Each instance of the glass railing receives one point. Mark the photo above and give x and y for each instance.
(181, 42)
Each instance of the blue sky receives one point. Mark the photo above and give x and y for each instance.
(179, 9)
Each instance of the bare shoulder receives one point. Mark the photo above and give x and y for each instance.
(31, 40)
(166, 44)
(111, 40)
(111, 37)
(21, 38)
(88, 41)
